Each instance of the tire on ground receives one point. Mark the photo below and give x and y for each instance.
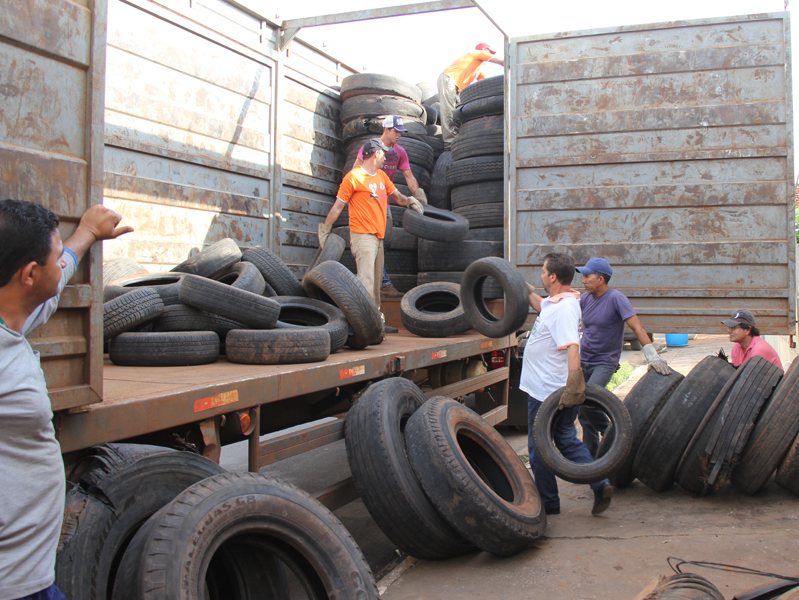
(436, 224)
(299, 311)
(473, 477)
(164, 349)
(211, 261)
(277, 346)
(126, 312)
(788, 471)
(361, 84)
(514, 288)
(434, 310)
(274, 270)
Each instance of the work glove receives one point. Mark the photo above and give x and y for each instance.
(574, 394)
(420, 196)
(323, 233)
(654, 360)
(414, 204)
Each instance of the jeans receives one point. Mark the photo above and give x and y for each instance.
(565, 436)
(51, 593)
(386, 279)
(593, 420)
(368, 252)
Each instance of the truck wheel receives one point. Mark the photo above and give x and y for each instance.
(480, 137)
(514, 288)
(644, 402)
(473, 477)
(245, 307)
(277, 346)
(483, 216)
(332, 283)
(166, 284)
(677, 422)
(602, 467)
(490, 86)
(486, 192)
(274, 270)
(126, 312)
(299, 311)
(374, 83)
(434, 310)
(122, 487)
(117, 268)
(475, 170)
(243, 276)
(185, 318)
(383, 475)
(211, 261)
(181, 546)
(164, 349)
(436, 224)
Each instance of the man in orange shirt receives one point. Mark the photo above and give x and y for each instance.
(366, 190)
(457, 76)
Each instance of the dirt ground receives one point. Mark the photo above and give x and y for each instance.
(615, 555)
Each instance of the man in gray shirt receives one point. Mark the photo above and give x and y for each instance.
(34, 268)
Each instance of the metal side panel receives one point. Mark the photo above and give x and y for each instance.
(52, 63)
(668, 150)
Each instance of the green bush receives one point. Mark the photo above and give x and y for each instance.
(621, 375)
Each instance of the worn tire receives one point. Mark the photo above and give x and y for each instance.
(776, 427)
(481, 137)
(438, 195)
(434, 310)
(491, 290)
(422, 175)
(404, 282)
(117, 268)
(180, 317)
(126, 312)
(258, 312)
(274, 270)
(486, 192)
(419, 153)
(475, 170)
(377, 105)
(243, 276)
(484, 88)
(436, 224)
(473, 477)
(483, 216)
(788, 471)
(672, 430)
(401, 262)
(603, 466)
(514, 288)
(299, 311)
(334, 248)
(361, 84)
(164, 349)
(383, 475)
(166, 284)
(490, 105)
(332, 283)
(211, 261)
(277, 346)
(643, 403)
(271, 519)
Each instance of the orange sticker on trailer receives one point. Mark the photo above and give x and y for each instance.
(486, 344)
(439, 354)
(351, 372)
(216, 401)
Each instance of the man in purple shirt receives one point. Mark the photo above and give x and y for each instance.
(605, 311)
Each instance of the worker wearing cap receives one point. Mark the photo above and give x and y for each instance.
(605, 311)
(748, 343)
(366, 190)
(457, 76)
(396, 159)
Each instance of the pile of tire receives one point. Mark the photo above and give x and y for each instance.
(717, 425)
(437, 478)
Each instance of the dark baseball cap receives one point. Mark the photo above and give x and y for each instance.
(373, 145)
(596, 265)
(393, 122)
(740, 317)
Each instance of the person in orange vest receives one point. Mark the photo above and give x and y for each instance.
(457, 76)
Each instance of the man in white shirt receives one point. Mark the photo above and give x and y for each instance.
(552, 360)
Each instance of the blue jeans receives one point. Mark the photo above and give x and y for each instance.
(386, 280)
(593, 420)
(565, 437)
(51, 593)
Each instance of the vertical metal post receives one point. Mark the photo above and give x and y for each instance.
(253, 442)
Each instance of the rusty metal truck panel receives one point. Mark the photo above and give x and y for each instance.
(666, 149)
(52, 57)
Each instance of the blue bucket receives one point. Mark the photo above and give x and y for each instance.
(676, 339)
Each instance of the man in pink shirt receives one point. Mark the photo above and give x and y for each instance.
(748, 343)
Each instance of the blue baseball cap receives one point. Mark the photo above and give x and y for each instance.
(596, 265)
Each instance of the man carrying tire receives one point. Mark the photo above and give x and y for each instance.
(748, 343)
(34, 268)
(605, 311)
(366, 189)
(551, 360)
(396, 158)
(457, 76)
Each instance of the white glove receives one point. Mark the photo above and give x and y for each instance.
(654, 360)
(414, 204)
(323, 233)
(420, 196)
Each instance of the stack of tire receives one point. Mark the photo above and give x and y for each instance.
(432, 107)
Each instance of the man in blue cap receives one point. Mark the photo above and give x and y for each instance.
(605, 311)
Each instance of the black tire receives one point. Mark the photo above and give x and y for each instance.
(383, 475)
(117, 268)
(211, 261)
(434, 310)
(475, 170)
(776, 427)
(481, 216)
(180, 317)
(672, 430)
(514, 288)
(402, 240)
(717, 444)
(130, 310)
(490, 86)
(277, 346)
(436, 224)
(422, 175)
(257, 312)
(397, 214)
(788, 471)
(334, 248)
(298, 311)
(271, 520)
(643, 403)
(404, 282)
(401, 262)
(482, 107)
(419, 153)
(432, 113)
(274, 270)
(372, 84)
(480, 137)
(164, 349)
(439, 191)
(166, 284)
(491, 289)
(487, 192)
(602, 467)
(367, 128)
(109, 504)
(332, 283)
(375, 105)
(435, 140)
(473, 477)
(243, 276)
